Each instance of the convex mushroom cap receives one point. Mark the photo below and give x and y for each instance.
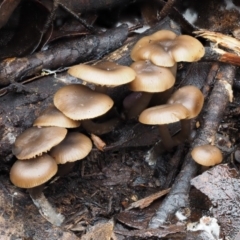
(207, 155)
(190, 97)
(163, 114)
(103, 73)
(33, 172)
(80, 102)
(155, 48)
(75, 146)
(165, 48)
(51, 116)
(34, 141)
(152, 78)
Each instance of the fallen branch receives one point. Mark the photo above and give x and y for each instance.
(213, 113)
(219, 55)
(62, 55)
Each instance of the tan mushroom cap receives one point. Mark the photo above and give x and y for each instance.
(207, 155)
(34, 141)
(156, 53)
(186, 49)
(154, 48)
(151, 78)
(75, 146)
(164, 48)
(190, 97)
(103, 73)
(34, 172)
(80, 102)
(163, 114)
(51, 116)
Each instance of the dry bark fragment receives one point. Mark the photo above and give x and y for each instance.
(213, 113)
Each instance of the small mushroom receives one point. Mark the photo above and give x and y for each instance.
(35, 141)
(192, 99)
(103, 73)
(150, 79)
(154, 48)
(185, 48)
(207, 155)
(163, 115)
(51, 116)
(32, 174)
(74, 147)
(79, 102)
(165, 48)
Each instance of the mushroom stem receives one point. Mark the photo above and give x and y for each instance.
(44, 207)
(161, 97)
(64, 169)
(101, 88)
(139, 102)
(184, 133)
(167, 140)
(100, 128)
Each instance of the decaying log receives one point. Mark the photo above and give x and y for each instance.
(213, 113)
(63, 54)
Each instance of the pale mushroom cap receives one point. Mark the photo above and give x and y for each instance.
(151, 78)
(207, 155)
(80, 102)
(163, 114)
(34, 141)
(75, 146)
(156, 53)
(103, 73)
(155, 48)
(51, 116)
(190, 97)
(187, 49)
(34, 172)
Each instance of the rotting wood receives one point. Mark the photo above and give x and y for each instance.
(213, 113)
(62, 55)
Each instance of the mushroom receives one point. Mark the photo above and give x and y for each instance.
(149, 79)
(51, 116)
(154, 48)
(75, 146)
(207, 155)
(192, 99)
(165, 48)
(32, 174)
(103, 74)
(79, 102)
(34, 141)
(161, 116)
(185, 48)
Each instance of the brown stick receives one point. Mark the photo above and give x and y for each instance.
(178, 196)
(62, 54)
(219, 55)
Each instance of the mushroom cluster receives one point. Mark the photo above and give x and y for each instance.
(152, 73)
(49, 133)
(43, 148)
(156, 58)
